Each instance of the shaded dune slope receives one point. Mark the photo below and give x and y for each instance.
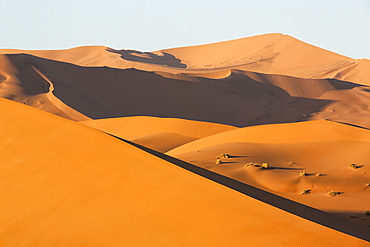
(22, 82)
(81, 187)
(240, 99)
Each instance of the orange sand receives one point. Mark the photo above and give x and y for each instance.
(72, 185)
(299, 108)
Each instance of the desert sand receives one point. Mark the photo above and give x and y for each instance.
(105, 147)
(161, 134)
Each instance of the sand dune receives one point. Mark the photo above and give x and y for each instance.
(274, 54)
(269, 53)
(323, 149)
(161, 134)
(239, 99)
(103, 179)
(100, 82)
(24, 83)
(78, 186)
(135, 127)
(163, 141)
(301, 132)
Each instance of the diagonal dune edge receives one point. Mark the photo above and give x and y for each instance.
(282, 203)
(66, 184)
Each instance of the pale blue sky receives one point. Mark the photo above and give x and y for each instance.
(342, 26)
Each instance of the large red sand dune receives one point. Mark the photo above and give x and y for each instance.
(274, 54)
(301, 109)
(239, 99)
(70, 185)
(269, 53)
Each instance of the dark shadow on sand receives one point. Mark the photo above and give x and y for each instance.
(148, 57)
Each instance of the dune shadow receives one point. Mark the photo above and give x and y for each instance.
(353, 125)
(228, 162)
(164, 59)
(353, 215)
(282, 203)
(103, 92)
(285, 168)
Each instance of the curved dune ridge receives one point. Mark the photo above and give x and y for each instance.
(269, 53)
(73, 185)
(135, 127)
(275, 85)
(274, 54)
(161, 134)
(240, 99)
(322, 150)
(24, 83)
(301, 132)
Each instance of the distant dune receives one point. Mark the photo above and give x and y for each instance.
(260, 141)
(99, 82)
(274, 54)
(269, 53)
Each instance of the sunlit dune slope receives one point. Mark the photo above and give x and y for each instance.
(161, 134)
(274, 54)
(134, 127)
(163, 141)
(322, 150)
(330, 159)
(301, 132)
(268, 53)
(69, 185)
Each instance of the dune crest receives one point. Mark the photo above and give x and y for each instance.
(301, 132)
(161, 134)
(269, 53)
(24, 83)
(274, 54)
(264, 79)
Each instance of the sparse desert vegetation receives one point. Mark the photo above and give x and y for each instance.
(218, 162)
(248, 164)
(303, 173)
(224, 156)
(265, 166)
(333, 193)
(305, 192)
(353, 166)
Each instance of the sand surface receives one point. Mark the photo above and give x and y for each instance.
(104, 147)
(323, 149)
(73, 185)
